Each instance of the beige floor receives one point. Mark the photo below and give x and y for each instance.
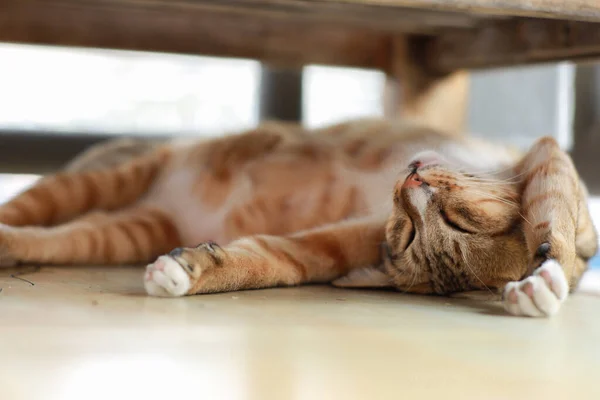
(87, 334)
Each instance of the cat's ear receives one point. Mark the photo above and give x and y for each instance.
(370, 277)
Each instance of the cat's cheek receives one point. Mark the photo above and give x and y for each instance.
(166, 278)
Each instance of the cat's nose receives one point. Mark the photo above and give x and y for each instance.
(414, 166)
(412, 181)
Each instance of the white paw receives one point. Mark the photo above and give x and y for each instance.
(166, 278)
(539, 295)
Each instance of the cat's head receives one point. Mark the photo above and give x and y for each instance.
(461, 230)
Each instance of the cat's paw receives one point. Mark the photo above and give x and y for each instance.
(175, 274)
(166, 278)
(539, 295)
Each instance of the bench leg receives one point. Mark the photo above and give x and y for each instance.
(439, 101)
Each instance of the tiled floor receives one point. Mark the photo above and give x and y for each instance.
(90, 333)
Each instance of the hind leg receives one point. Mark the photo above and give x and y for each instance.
(131, 236)
(66, 195)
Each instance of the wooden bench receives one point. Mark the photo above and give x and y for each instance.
(423, 43)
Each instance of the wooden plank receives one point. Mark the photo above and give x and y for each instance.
(412, 92)
(388, 19)
(511, 42)
(165, 28)
(291, 33)
(381, 18)
(559, 9)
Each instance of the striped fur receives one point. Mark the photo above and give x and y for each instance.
(289, 206)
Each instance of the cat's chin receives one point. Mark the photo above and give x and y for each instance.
(419, 199)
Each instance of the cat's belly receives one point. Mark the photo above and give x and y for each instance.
(280, 197)
(259, 204)
(196, 222)
(298, 199)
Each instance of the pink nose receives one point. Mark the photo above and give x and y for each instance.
(412, 181)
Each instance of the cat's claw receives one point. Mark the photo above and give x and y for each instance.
(539, 295)
(166, 278)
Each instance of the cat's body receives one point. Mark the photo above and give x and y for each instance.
(278, 179)
(321, 201)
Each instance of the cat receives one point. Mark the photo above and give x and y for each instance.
(369, 203)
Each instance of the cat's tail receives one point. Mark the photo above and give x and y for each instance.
(58, 198)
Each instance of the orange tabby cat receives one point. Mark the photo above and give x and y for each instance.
(362, 204)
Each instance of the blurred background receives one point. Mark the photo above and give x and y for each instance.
(56, 101)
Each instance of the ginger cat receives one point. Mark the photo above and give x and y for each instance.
(363, 204)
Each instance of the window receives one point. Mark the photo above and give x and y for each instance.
(123, 92)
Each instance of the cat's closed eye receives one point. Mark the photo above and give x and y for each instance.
(411, 238)
(453, 224)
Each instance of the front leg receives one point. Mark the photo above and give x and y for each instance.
(558, 230)
(318, 256)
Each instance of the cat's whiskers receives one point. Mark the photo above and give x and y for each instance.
(506, 192)
(510, 181)
(493, 197)
(525, 219)
(491, 181)
(493, 177)
(413, 281)
(466, 252)
(505, 201)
